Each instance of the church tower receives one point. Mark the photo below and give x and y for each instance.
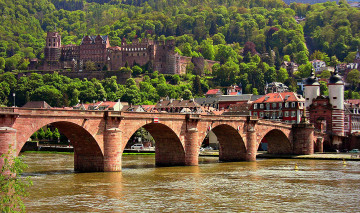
(336, 99)
(311, 90)
(53, 46)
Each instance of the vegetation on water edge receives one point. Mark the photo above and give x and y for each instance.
(12, 186)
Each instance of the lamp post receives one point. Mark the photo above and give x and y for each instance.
(14, 98)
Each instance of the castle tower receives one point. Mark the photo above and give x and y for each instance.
(52, 48)
(336, 99)
(311, 90)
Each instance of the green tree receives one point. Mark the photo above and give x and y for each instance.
(136, 70)
(302, 57)
(304, 70)
(34, 136)
(49, 134)
(13, 187)
(325, 74)
(2, 63)
(41, 134)
(90, 66)
(282, 75)
(187, 95)
(323, 88)
(56, 134)
(353, 78)
(197, 86)
(176, 79)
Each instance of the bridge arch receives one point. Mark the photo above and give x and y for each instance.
(278, 142)
(88, 155)
(231, 145)
(169, 149)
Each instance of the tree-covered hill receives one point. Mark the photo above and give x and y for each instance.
(250, 38)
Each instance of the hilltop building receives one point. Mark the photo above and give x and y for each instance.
(158, 55)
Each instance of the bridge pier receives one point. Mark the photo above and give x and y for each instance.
(192, 147)
(7, 140)
(303, 139)
(112, 150)
(251, 145)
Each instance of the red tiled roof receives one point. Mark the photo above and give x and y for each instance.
(233, 93)
(353, 101)
(212, 91)
(110, 104)
(279, 97)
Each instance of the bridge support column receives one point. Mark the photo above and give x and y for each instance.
(112, 150)
(251, 149)
(7, 140)
(319, 144)
(303, 139)
(192, 147)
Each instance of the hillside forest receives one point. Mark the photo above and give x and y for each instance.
(250, 39)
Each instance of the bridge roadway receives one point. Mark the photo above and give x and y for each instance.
(99, 137)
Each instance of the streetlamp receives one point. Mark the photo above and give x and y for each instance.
(14, 98)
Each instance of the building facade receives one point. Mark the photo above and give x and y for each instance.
(157, 55)
(287, 107)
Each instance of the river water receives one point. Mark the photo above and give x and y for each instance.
(271, 185)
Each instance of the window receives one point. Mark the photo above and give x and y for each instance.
(280, 105)
(286, 114)
(293, 114)
(255, 106)
(255, 114)
(261, 114)
(274, 105)
(273, 115)
(293, 104)
(267, 115)
(267, 106)
(261, 106)
(280, 114)
(286, 105)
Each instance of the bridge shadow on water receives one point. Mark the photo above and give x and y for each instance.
(44, 173)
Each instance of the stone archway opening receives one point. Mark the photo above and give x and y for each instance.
(88, 156)
(229, 143)
(276, 142)
(169, 151)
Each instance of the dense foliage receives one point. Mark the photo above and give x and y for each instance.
(59, 91)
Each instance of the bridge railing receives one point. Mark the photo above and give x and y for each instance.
(7, 109)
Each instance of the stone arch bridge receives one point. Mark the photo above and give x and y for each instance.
(99, 137)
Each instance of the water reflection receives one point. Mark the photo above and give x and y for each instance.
(262, 186)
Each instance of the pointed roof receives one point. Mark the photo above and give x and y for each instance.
(37, 104)
(335, 78)
(312, 81)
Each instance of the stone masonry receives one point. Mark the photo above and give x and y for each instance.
(99, 137)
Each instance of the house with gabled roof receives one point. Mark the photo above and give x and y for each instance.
(287, 107)
(213, 93)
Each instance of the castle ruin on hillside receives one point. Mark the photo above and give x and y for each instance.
(157, 55)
